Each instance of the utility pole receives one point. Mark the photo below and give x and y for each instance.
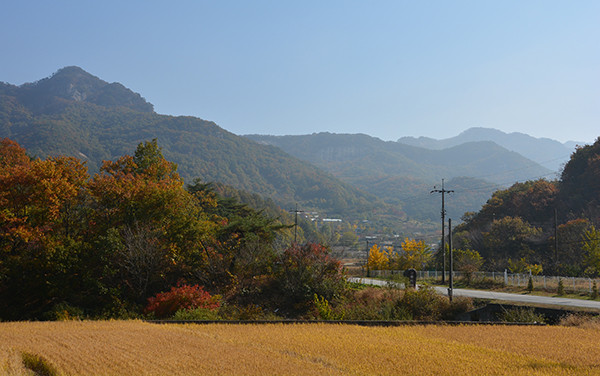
(555, 238)
(368, 272)
(296, 211)
(367, 238)
(443, 191)
(451, 285)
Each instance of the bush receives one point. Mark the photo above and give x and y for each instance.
(421, 304)
(196, 314)
(581, 320)
(370, 303)
(561, 287)
(64, 312)
(306, 270)
(182, 297)
(245, 313)
(521, 315)
(426, 304)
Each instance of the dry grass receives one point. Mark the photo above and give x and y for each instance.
(138, 348)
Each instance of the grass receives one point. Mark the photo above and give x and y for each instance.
(135, 347)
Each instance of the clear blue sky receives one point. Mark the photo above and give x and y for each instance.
(385, 68)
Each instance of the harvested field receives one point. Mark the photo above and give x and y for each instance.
(139, 348)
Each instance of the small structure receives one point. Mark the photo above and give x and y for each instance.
(411, 274)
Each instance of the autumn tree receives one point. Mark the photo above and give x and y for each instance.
(303, 271)
(523, 266)
(379, 258)
(415, 254)
(41, 228)
(147, 224)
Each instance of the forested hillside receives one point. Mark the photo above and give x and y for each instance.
(553, 224)
(403, 174)
(357, 157)
(74, 113)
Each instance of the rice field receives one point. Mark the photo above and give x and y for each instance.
(139, 348)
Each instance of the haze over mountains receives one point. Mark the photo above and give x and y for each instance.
(75, 113)
(547, 152)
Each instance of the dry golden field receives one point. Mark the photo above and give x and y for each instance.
(139, 348)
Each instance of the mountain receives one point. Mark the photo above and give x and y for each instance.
(53, 94)
(547, 152)
(75, 113)
(404, 174)
(355, 157)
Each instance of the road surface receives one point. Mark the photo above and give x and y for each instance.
(501, 296)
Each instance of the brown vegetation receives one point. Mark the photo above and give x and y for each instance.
(133, 347)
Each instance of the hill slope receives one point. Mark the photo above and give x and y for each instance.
(404, 174)
(357, 156)
(75, 113)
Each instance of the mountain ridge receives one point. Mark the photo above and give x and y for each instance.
(91, 119)
(549, 153)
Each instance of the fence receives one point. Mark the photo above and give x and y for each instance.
(540, 282)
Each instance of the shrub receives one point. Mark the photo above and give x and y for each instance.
(530, 284)
(581, 320)
(370, 303)
(421, 304)
(561, 287)
(306, 270)
(165, 304)
(521, 315)
(247, 312)
(64, 312)
(426, 304)
(196, 314)
(325, 310)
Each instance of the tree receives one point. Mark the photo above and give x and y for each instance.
(41, 230)
(468, 262)
(156, 226)
(580, 182)
(303, 271)
(379, 258)
(523, 266)
(415, 254)
(571, 258)
(509, 237)
(591, 249)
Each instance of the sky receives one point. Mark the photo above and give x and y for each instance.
(388, 69)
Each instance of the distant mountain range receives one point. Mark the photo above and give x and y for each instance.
(75, 113)
(547, 152)
(405, 174)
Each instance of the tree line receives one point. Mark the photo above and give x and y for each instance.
(107, 243)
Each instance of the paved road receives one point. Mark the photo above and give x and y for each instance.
(502, 296)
